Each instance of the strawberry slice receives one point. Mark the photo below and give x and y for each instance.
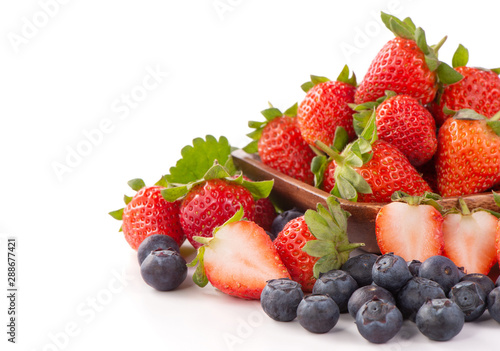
(410, 227)
(469, 238)
(238, 259)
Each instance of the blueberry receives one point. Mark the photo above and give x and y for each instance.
(378, 321)
(494, 303)
(154, 242)
(498, 281)
(164, 270)
(415, 293)
(442, 270)
(440, 319)
(414, 267)
(282, 219)
(318, 313)
(366, 293)
(471, 299)
(461, 272)
(360, 268)
(280, 299)
(390, 272)
(482, 280)
(338, 285)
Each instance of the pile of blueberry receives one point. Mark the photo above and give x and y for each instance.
(379, 292)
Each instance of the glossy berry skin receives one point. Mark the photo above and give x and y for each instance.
(338, 285)
(282, 147)
(378, 321)
(164, 270)
(415, 293)
(365, 294)
(149, 213)
(440, 319)
(479, 90)
(442, 270)
(414, 267)
(283, 218)
(318, 313)
(471, 299)
(289, 244)
(388, 171)
(482, 280)
(390, 272)
(211, 203)
(360, 268)
(280, 299)
(407, 125)
(399, 66)
(494, 304)
(264, 213)
(467, 158)
(155, 242)
(324, 108)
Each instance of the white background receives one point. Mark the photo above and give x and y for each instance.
(64, 72)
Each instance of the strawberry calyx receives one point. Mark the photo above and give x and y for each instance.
(426, 199)
(465, 211)
(406, 29)
(365, 110)
(270, 114)
(136, 184)
(199, 276)
(329, 226)
(471, 115)
(345, 77)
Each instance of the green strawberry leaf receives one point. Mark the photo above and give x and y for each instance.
(174, 193)
(199, 276)
(271, 113)
(136, 184)
(326, 264)
(252, 147)
(318, 80)
(127, 199)
(292, 111)
(495, 125)
(447, 75)
(259, 190)
(318, 226)
(217, 171)
(468, 114)
(344, 77)
(318, 167)
(118, 214)
(340, 139)
(460, 57)
(197, 159)
(496, 197)
(318, 248)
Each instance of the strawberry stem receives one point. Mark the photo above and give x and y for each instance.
(438, 45)
(463, 207)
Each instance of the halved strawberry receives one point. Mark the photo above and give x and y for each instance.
(469, 238)
(410, 227)
(238, 259)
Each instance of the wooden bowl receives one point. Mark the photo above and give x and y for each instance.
(289, 192)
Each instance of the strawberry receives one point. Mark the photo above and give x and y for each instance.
(369, 171)
(468, 155)
(326, 106)
(315, 243)
(469, 238)
(404, 123)
(479, 90)
(280, 144)
(406, 65)
(238, 259)
(265, 213)
(410, 227)
(148, 213)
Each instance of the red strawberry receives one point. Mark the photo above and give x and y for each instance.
(406, 65)
(404, 123)
(387, 171)
(148, 213)
(280, 144)
(468, 155)
(326, 107)
(238, 260)
(265, 213)
(315, 243)
(469, 239)
(479, 90)
(410, 227)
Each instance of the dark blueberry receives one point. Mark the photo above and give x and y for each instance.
(415, 293)
(318, 313)
(338, 285)
(440, 319)
(271, 235)
(494, 304)
(414, 267)
(461, 272)
(360, 268)
(390, 272)
(498, 281)
(154, 242)
(442, 270)
(378, 321)
(283, 218)
(471, 299)
(482, 280)
(280, 299)
(164, 270)
(366, 293)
